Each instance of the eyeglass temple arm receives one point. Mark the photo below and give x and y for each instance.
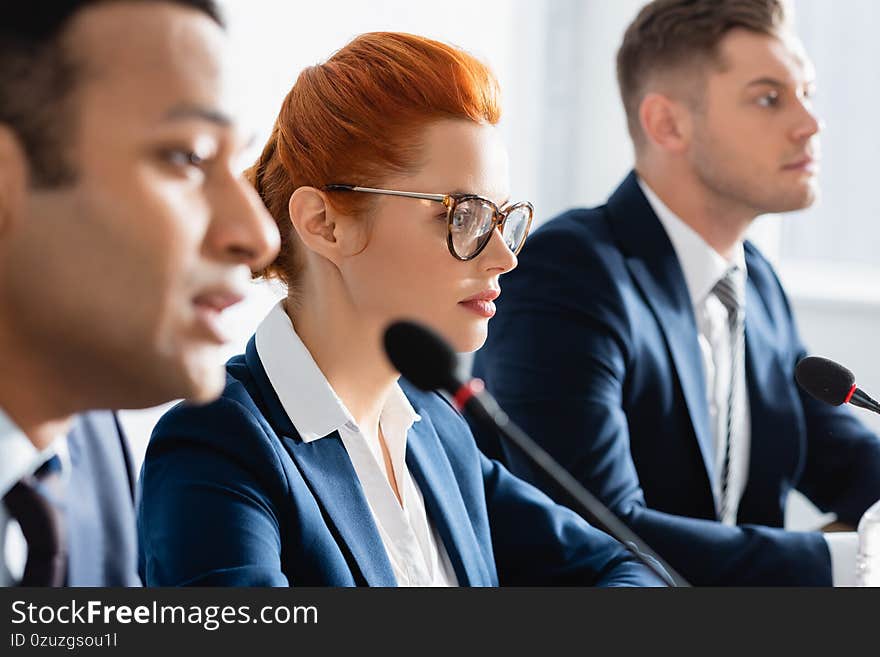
(440, 198)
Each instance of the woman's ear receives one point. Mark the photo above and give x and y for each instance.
(321, 228)
(312, 219)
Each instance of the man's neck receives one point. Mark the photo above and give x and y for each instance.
(35, 423)
(721, 224)
(32, 397)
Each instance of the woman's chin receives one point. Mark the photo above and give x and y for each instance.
(462, 336)
(471, 339)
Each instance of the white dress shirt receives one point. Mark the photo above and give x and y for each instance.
(703, 267)
(414, 547)
(18, 458)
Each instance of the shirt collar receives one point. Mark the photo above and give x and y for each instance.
(20, 457)
(397, 415)
(309, 400)
(702, 265)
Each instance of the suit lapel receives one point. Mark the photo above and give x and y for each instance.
(651, 260)
(770, 395)
(430, 466)
(326, 468)
(77, 571)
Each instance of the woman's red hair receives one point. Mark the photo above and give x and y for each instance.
(357, 118)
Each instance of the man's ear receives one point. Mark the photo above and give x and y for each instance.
(321, 228)
(666, 122)
(13, 177)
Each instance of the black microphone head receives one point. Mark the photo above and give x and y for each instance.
(824, 379)
(421, 356)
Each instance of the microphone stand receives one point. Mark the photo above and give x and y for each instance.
(861, 399)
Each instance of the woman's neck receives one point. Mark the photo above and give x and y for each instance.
(349, 354)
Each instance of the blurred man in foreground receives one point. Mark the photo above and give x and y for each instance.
(125, 232)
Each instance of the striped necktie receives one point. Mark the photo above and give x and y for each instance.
(34, 502)
(730, 291)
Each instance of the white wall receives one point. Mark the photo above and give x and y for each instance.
(577, 129)
(274, 40)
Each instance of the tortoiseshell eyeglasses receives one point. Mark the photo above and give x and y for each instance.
(470, 219)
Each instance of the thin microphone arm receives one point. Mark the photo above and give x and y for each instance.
(861, 399)
(485, 409)
(428, 362)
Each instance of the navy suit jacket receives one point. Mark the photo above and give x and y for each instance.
(232, 496)
(99, 504)
(594, 353)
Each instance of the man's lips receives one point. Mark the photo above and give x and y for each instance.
(209, 307)
(806, 163)
(218, 301)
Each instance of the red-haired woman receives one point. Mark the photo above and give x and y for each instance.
(319, 465)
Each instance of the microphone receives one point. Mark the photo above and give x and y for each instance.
(429, 363)
(832, 383)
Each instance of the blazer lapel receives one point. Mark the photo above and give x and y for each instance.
(327, 469)
(431, 468)
(80, 554)
(325, 466)
(774, 444)
(654, 266)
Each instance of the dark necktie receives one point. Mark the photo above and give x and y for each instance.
(34, 502)
(730, 292)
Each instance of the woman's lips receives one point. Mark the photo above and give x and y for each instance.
(482, 303)
(482, 307)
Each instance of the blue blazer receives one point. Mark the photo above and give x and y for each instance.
(99, 504)
(232, 496)
(594, 353)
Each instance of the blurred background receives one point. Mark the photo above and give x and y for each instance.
(566, 132)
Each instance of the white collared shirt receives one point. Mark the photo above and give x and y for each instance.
(703, 267)
(414, 547)
(18, 458)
